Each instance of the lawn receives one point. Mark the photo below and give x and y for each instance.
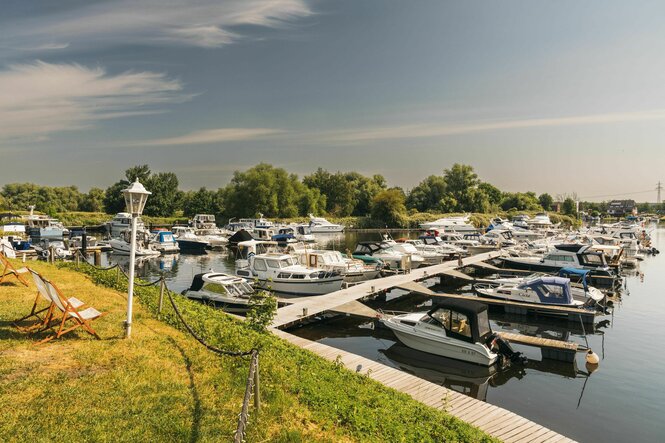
(161, 385)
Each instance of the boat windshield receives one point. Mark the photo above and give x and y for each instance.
(287, 262)
(483, 324)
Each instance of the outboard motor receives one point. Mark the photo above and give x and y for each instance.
(503, 348)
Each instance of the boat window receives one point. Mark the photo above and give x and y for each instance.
(215, 287)
(460, 324)
(552, 291)
(284, 275)
(443, 317)
(287, 262)
(260, 264)
(273, 264)
(592, 259)
(483, 324)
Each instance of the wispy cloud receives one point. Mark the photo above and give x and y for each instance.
(203, 23)
(409, 131)
(209, 136)
(40, 98)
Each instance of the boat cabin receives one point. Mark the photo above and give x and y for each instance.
(550, 290)
(370, 248)
(465, 320)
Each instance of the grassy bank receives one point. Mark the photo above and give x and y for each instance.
(163, 386)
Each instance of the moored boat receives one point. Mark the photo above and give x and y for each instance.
(458, 329)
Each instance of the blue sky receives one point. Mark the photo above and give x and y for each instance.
(537, 95)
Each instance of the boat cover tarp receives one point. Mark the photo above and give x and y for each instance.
(551, 290)
(240, 236)
(582, 273)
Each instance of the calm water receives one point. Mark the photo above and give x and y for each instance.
(621, 401)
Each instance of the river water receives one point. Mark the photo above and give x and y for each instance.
(623, 400)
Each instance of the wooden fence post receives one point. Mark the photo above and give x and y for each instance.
(257, 389)
(161, 294)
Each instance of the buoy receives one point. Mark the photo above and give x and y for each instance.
(592, 357)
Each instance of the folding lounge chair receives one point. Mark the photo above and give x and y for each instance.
(70, 313)
(42, 293)
(9, 269)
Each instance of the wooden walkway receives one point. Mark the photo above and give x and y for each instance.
(493, 420)
(306, 307)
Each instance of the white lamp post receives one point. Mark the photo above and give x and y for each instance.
(135, 198)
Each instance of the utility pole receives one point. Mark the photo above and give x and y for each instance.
(659, 188)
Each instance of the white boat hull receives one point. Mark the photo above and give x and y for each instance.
(305, 287)
(446, 348)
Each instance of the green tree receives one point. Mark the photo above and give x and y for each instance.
(429, 195)
(199, 202)
(568, 207)
(460, 180)
(270, 191)
(389, 207)
(522, 201)
(93, 201)
(166, 198)
(140, 172)
(546, 201)
(494, 194)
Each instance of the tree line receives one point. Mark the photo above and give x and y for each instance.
(274, 192)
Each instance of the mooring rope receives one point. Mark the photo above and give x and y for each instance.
(201, 340)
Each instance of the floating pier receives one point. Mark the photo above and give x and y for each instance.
(493, 420)
(302, 308)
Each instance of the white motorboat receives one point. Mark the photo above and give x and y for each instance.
(122, 221)
(11, 224)
(282, 273)
(383, 251)
(353, 270)
(121, 245)
(545, 290)
(42, 226)
(458, 329)
(540, 221)
(164, 242)
(443, 251)
(418, 258)
(451, 224)
(319, 225)
(58, 248)
(228, 292)
(205, 228)
(188, 241)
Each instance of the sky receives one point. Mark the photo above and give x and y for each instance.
(546, 96)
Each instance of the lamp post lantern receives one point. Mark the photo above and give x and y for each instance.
(135, 198)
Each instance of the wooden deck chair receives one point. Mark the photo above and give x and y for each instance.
(80, 318)
(9, 269)
(42, 293)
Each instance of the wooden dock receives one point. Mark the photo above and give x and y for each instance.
(493, 420)
(302, 308)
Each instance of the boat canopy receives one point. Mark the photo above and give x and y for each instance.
(582, 273)
(463, 319)
(551, 290)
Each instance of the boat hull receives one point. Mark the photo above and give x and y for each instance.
(444, 347)
(192, 246)
(306, 287)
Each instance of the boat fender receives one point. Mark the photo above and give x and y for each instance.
(592, 357)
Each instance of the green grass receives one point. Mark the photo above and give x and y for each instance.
(163, 386)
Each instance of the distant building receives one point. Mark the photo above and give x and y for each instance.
(621, 207)
(556, 206)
